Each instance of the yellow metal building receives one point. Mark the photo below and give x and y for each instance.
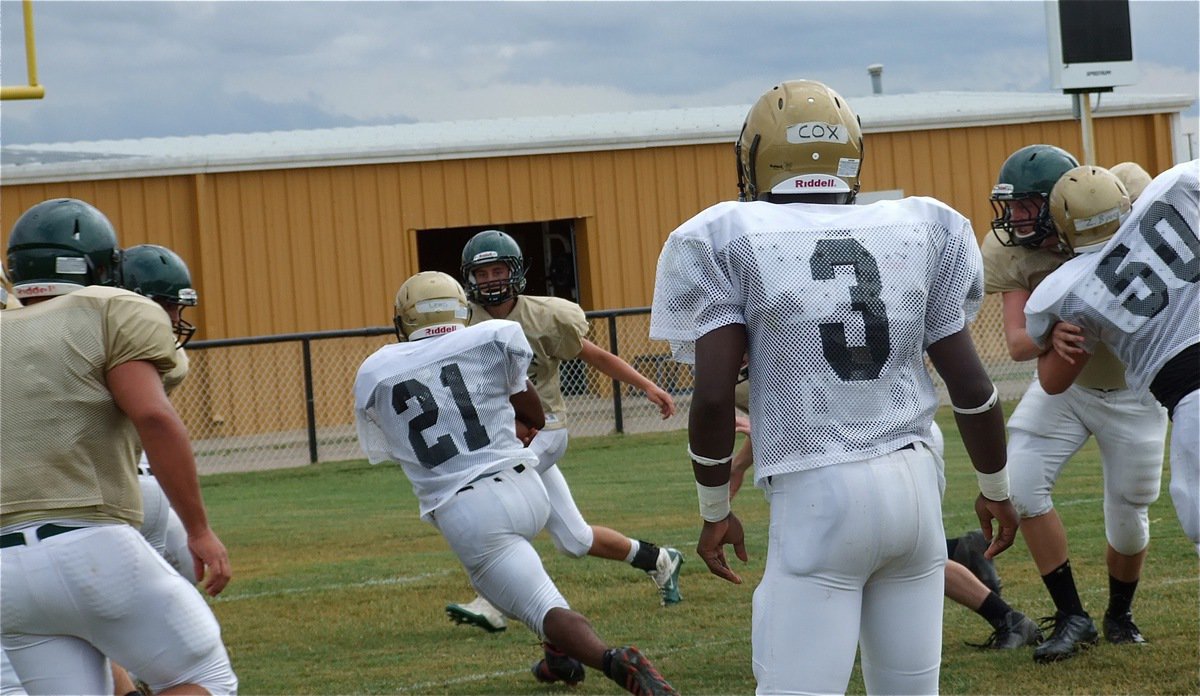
(314, 230)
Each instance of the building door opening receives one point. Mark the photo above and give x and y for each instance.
(548, 248)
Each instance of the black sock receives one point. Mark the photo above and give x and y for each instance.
(1120, 596)
(994, 610)
(1061, 584)
(951, 545)
(606, 663)
(646, 557)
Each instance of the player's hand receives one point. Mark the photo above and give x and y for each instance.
(211, 561)
(711, 547)
(1007, 519)
(1067, 340)
(525, 433)
(661, 399)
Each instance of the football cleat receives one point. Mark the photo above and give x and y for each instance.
(478, 612)
(666, 576)
(1017, 632)
(1121, 629)
(630, 669)
(969, 552)
(1073, 633)
(557, 666)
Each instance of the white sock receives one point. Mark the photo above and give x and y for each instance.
(634, 547)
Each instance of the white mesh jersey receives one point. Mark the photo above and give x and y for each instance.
(839, 304)
(440, 407)
(1138, 293)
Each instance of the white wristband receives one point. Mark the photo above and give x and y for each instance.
(986, 406)
(714, 501)
(705, 461)
(994, 486)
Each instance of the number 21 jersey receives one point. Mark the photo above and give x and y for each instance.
(440, 407)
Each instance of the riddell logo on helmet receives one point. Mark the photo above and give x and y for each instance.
(811, 183)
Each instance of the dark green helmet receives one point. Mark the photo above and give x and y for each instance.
(493, 246)
(1029, 174)
(59, 246)
(158, 273)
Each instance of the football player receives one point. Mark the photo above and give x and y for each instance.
(493, 271)
(837, 306)
(160, 274)
(1133, 177)
(1133, 289)
(1046, 430)
(78, 581)
(474, 479)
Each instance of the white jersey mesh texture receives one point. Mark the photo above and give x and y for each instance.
(440, 407)
(839, 303)
(1138, 294)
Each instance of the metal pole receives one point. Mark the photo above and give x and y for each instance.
(1089, 134)
(310, 406)
(616, 385)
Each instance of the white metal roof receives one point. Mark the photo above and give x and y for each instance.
(109, 159)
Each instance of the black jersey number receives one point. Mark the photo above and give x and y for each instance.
(854, 363)
(1117, 277)
(443, 448)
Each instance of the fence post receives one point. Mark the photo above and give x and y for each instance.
(616, 384)
(310, 406)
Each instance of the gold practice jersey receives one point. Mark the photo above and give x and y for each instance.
(1006, 269)
(66, 450)
(555, 329)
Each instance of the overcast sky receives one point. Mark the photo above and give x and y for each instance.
(143, 69)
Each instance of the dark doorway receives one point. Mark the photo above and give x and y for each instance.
(548, 247)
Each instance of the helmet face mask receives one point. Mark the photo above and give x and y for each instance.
(1020, 198)
(1088, 205)
(429, 304)
(799, 138)
(160, 274)
(59, 246)
(490, 247)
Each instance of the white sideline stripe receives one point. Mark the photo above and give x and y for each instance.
(509, 672)
(402, 580)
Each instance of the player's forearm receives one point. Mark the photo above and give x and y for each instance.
(613, 366)
(1056, 374)
(169, 451)
(1020, 345)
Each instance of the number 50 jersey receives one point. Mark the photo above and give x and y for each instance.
(839, 303)
(1139, 293)
(440, 407)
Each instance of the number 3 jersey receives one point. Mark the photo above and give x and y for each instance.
(440, 407)
(1138, 293)
(839, 303)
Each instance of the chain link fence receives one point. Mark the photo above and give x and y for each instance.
(285, 401)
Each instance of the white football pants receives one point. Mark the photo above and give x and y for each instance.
(489, 526)
(71, 599)
(571, 534)
(163, 528)
(1185, 465)
(1045, 431)
(855, 558)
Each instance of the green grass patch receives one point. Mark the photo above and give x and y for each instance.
(339, 588)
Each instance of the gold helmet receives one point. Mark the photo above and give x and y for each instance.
(1088, 205)
(1133, 176)
(429, 304)
(801, 137)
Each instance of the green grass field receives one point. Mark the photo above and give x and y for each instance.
(339, 588)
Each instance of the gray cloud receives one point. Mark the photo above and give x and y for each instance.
(138, 69)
